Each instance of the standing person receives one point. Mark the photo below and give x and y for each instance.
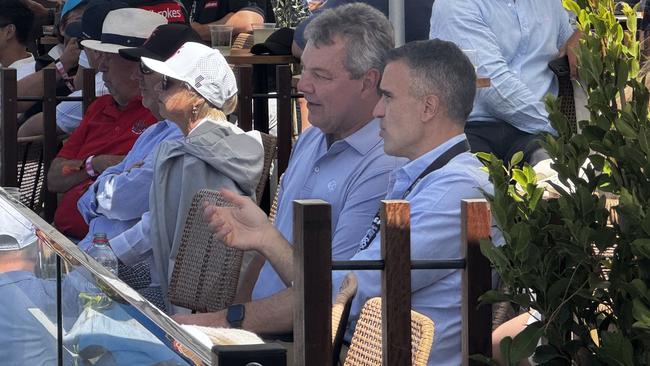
(112, 123)
(513, 42)
(427, 91)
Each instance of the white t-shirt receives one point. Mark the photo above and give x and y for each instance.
(24, 67)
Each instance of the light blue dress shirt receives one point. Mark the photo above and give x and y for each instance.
(120, 195)
(351, 175)
(435, 234)
(514, 42)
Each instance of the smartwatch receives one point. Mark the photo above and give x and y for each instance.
(235, 315)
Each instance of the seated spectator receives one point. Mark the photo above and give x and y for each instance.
(120, 195)
(16, 21)
(240, 14)
(427, 91)
(513, 46)
(341, 160)
(197, 92)
(111, 124)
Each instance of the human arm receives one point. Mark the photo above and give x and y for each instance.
(271, 315)
(568, 49)
(241, 21)
(133, 245)
(246, 227)
(65, 174)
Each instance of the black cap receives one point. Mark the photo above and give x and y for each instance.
(278, 43)
(163, 42)
(90, 25)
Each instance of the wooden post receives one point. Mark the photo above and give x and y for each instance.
(396, 282)
(9, 128)
(50, 140)
(477, 279)
(312, 313)
(283, 77)
(88, 89)
(245, 117)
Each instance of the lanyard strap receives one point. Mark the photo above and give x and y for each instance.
(442, 160)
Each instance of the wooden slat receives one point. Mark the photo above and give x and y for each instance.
(283, 77)
(88, 88)
(477, 279)
(245, 98)
(396, 282)
(312, 314)
(50, 142)
(9, 128)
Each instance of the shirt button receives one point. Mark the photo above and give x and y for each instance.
(316, 169)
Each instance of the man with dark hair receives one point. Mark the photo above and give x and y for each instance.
(427, 92)
(16, 21)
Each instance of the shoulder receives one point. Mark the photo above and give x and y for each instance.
(99, 104)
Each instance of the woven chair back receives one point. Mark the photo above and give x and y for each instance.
(31, 172)
(366, 345)
(206, 271)
(269, 142)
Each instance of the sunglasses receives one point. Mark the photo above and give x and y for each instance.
(79, 45)
(144, 69)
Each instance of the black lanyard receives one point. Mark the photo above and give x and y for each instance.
(442, 160)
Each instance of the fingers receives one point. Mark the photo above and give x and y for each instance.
(234, 197)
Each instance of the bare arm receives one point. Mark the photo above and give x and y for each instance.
(241, 21)
(271, 315)
(67, 173)
(34, 126)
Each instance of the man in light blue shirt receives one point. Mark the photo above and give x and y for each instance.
(513, 43)
(340, 159)
(427, 92)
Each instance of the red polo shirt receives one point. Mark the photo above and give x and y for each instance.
(104, 130)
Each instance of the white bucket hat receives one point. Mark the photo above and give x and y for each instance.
(125, 28)
(203, 68)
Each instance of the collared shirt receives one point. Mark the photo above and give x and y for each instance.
(120, 195)
(69, 114)
(26, 340)
(24, 67)
(514, 42)
(435, 234)
(351, 175)
(105, 129)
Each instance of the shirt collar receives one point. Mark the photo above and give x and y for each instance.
(414, 168)
(14, 276)
(22, 61)
(365, 138)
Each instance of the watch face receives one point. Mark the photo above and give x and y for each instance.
(235, 313)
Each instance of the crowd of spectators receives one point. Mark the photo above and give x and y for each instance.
(395, 123)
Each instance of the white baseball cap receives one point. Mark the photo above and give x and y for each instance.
(201, 67)
(125, 28)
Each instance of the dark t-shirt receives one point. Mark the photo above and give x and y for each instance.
(208, 11)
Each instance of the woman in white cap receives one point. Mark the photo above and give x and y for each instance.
(197, 91)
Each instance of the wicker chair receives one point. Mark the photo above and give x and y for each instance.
(31, 172)
(206, 271)
(341, 312)
(269, 142)
(365, 347)
(565, 90)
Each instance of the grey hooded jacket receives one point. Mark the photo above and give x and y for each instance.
(213, 155)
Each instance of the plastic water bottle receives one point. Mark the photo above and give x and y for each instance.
(103, 253)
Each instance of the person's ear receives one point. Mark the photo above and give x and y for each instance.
(430, 107)
(371, 80)
(9, 31)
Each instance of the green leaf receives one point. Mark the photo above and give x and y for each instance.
(641, 248)
(524, 343)
(616, 349)
(505, 347)
(516, 158)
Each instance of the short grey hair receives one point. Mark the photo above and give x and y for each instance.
(441, 68)
(367, 32)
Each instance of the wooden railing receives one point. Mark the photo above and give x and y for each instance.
(312, 282)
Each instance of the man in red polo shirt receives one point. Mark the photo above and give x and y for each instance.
(112, 123)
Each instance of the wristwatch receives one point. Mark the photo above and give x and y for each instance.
(235, 315)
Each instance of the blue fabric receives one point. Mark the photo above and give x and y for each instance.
(514, 41)
(435, 234)
(25, 340)
(120, 195)
(352, 176)
(70, 5)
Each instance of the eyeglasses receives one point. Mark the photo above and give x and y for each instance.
(144, 69)
(166, 81)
